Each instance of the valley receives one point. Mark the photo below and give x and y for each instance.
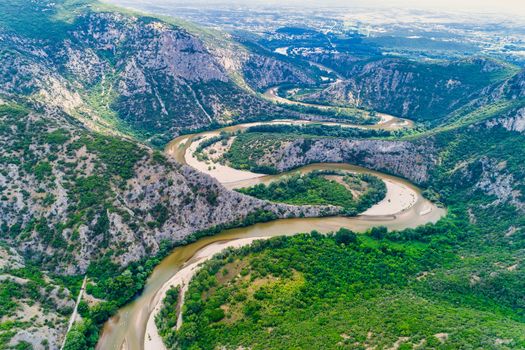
(394, 212)
(259, 178)
(402, 207)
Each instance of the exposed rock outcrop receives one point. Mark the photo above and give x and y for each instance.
(410, 160)
(513, 121)
(414, 90)
(142, 74)
(66, 189)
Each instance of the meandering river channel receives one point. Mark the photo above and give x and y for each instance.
(403, 207)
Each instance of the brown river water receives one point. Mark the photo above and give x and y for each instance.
(126, 330)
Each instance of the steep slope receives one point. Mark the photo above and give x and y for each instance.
(35, 308)
(70, 196)
(77, 192)
(136, 74)
(457, 284)
(422, 91)
(484, 155)
(262, 68)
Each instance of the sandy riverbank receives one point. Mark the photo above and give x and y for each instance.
(222, 173)
(131, 328)
(152, 339)
(399, 197)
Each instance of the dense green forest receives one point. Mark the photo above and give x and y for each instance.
(345, 290)
(317, 188)
(88, 95)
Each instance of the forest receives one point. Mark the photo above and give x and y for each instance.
(455, 284)
(316, 188)
(343, 290)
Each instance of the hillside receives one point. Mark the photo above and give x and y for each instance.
(35, 307)
(357, 73)
(131, 73)
(347, 290)
(90, 93)
(451, 285)
(76, 185)
(422, 91)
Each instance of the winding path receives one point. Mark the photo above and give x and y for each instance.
(73, 317)
(386, 121)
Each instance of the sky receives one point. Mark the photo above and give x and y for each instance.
(493, 6)
(509, 7)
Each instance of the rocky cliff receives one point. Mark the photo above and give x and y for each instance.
(70, 196)
(142, 76)
(484, 157)
(262, 72)
(410, 160)
(415, 90)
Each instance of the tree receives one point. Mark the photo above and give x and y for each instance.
(378, 232)
(76, 339)
(345, 236)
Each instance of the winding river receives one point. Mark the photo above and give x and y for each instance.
(386, 121)
(403, 207)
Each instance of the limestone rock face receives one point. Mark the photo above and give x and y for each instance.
(513, 121)
(406, 159)
(512, 88)
(147, 75)
(411, 89)
(161, 200)
(262, 72)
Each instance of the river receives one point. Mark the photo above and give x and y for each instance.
(386, 121)
(126, 330)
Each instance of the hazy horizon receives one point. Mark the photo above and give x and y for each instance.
(502, 7)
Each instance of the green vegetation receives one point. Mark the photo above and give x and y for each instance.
(322, 188)
(467, 116)
(223, 136)
(44, 19)
(435, 89)
(321, 130)
(166, 319)
(452, 285)
(88, 166)
(317, 292)
(334, 113)
(251, 146)
(117, 155)
(456, 284)
(257, 144)
(117, 286)
(27, 286)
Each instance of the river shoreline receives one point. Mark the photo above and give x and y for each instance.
(182, 278)
(399, 196)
